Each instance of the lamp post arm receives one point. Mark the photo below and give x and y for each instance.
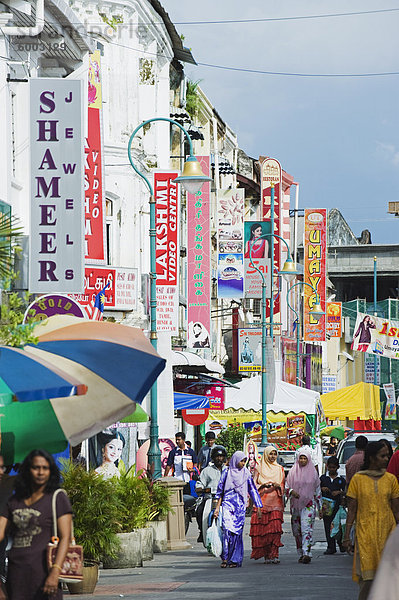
(143, 124)
(302, 283)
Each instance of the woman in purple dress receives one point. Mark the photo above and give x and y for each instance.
(232, 495)
(29, 516)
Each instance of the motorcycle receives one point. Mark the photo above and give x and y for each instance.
(190, 510)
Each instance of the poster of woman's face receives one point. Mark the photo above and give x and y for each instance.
(253, 232)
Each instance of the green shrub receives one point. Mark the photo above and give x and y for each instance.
(97, 510)
(134, 496)
(232, 438)
(160, 500)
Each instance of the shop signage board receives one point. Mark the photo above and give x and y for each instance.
(334, 319)
(56, 191)
(95, 239)
(249, 349)
(260, 258)
(289, 360)
(167, 206)
(315, 259)
(376, 335)
(54, 304)
(230, 239)
(329, 383)
(122, 292)
(270, 173)
(199, 264)
(369, 369)
(390, 405)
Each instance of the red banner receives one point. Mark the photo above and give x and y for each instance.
(315, 258)
(94, 193)
(166, 194)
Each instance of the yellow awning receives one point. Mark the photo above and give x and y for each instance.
(361, 400)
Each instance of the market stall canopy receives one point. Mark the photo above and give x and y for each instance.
(361, 400)
(178, 358)
(186, 401)
(287, 397)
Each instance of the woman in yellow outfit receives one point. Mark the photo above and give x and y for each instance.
(373, 503)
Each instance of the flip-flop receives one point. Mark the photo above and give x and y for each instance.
(232, 565)
(223, 565)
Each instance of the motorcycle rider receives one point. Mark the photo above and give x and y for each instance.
(207, 484)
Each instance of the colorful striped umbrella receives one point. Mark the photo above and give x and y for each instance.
(116, 364)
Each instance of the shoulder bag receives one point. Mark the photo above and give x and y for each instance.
(72, 569)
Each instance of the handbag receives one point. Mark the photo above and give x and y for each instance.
(72, 569)
(327, 506)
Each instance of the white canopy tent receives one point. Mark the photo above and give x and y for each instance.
(287, 397)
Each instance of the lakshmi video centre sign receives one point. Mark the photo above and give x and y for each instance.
(315, 258)
(166, 195)
(56, 202)
(121, 293)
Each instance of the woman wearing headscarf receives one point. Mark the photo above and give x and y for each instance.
(303, 488)
(267, 529)
(234, 487)
(373, 502)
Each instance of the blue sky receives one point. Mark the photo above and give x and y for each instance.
(339, 137)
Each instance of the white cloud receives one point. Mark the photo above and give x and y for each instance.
(389, 152)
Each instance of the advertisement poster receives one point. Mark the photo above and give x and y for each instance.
(253, 456)
(113, 450)
(94, 168)
(390, 405)
(253, 230)
(121, 293)
(230, 237)
(334, 319)
(249, 349)
(376, 335)
(315, 259)
(329, 384)
(289, 361)
(271, 173)
(230, 276)
(56, 186)
(167, 252)
(199, 264)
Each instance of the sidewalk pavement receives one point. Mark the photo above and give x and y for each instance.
(195, 575)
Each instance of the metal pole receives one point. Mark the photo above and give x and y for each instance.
(298, 379)
(264, 375)
(154, 453)
(375, 314)
(272, 256)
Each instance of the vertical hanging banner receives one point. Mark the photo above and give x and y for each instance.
(56, 193)
(166, 194)
(94, 188)
(230, 237)
(315, 259)
(199, 264)
(253, 230)
(334, 319)
(270, 173)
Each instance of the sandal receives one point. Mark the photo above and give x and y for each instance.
(276, 561)
(232, 565)
(300, 559)
(223, 564)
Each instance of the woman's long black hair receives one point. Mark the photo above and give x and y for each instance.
(372, 449)
(253, 228)
(388, 445)
(23, 482)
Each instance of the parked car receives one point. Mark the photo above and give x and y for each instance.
(347, 447)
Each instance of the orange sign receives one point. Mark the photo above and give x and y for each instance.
(334, 319)
(315, 258)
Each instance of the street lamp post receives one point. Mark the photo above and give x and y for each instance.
(317, 312)
(192, 179)
(288, 270)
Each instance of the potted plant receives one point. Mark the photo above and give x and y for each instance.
(160, 506)
(136, 540)
(96, 510)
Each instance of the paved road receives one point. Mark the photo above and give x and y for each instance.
(194, 575)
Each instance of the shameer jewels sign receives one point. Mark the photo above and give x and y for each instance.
(56, 156)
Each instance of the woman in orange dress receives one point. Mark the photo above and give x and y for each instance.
(267, 530)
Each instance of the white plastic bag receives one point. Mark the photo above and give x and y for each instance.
(214, 539)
